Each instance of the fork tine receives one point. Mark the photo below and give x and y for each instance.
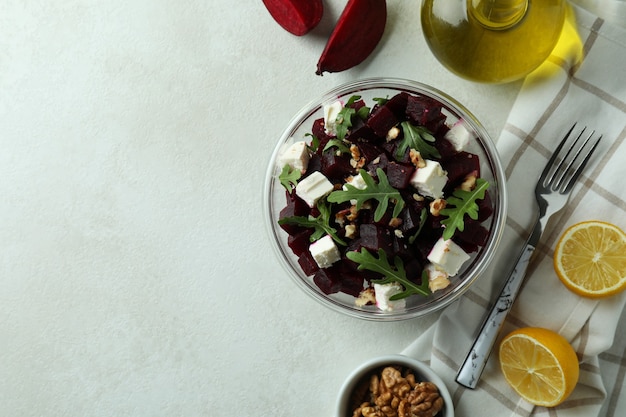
(550, 165)
(563, 167)
(582, 164)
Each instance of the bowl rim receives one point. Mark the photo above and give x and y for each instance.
(423, 370)
(479, 265)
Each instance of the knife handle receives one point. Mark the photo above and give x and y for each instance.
(471, 369)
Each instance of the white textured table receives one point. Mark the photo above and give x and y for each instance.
(136, 278)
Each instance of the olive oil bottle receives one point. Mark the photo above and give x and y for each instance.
(493, 41)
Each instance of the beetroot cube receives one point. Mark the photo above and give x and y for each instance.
(399, 175)
(381, 161)
(437, 123)
(402, 249)
(358, 104)
(397, 104)
(369, 151)
(327, 280)
(422, 109)
(351, 280)
(382, 120)
(307, 263)
(411, 216)
(485, 207)
(461, 165)
(300, 242)
(374, 237)
(315, 164)
(295, 207)
(319, 131)
(360, 131)
(445, 148)
(335, 167)
(414, 270)
(473, 236)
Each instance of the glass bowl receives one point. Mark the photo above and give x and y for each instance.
(300, 128)
(360, 377)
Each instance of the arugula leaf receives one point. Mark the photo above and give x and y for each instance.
(381, 101)
(395, 273)
(343, 122)
(459, 204)
(338, 144)
(363, 112)
(315, 142)
(381, 192)
(417, 137)
(289, 177)
(423, 217)
(321, 223)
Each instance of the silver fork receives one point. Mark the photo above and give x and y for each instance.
(552, 192)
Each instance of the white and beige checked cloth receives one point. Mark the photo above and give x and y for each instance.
(584, 81)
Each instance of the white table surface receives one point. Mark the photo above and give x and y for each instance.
(136, 278)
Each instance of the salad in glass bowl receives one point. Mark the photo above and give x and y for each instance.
(385, 199)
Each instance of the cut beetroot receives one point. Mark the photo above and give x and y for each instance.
(319, 131)
(382, 120)
(327, 281)
(307, 263)
(351, 280)
(473, 236)
(397, 104)
(295, 207)
(402, 249)
(355, 36)
(446, 149)
(335, 166)
(361, 132)
(381, 161)
(296, 16)
(460, 166)
(411, 219)
(339, 278)
(399, 175)
(414, 270)
(437, 124)
(485, 207)
(374, 237)
(369, 151)
(422, 109)
(300, 242)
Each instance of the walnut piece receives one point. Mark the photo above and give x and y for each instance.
(436, 206)
(394, 393)
(423, 401)
(416, 158)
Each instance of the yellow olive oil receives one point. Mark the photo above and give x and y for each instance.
(492, 41)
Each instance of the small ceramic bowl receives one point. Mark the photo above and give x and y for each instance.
(361, 375)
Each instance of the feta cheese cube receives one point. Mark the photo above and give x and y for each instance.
(357, 182)
(383, 294)
(447, 256)
(331, 111)
(459, 135)
(313, 187)
(325, 252)
(430, 180)
(296, 156)
(437, 279)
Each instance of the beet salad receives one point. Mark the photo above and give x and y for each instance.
(383, 200)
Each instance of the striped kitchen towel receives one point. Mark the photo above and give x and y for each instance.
(583, 81)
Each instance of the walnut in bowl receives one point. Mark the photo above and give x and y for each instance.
(394, 385)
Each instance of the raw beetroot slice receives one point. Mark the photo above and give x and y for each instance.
(359, 29)
(296, 16)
